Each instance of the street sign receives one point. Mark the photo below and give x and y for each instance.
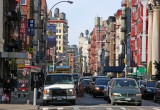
(30, 27)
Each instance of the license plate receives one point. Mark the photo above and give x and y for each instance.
(128, 99)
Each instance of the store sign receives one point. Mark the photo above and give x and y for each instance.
(30, 27)
(23, 32)
(51, 32)
(23, 80)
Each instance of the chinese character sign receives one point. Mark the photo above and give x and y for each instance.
(23, 80)
(51, 35)
(30, 27)
(23, 32)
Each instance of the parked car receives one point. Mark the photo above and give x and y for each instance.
(125, 90)
(157, 92)
(147, 89)
(99, 84)
(106, 90)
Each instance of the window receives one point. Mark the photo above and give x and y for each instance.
(59, 36)
(23, 2)
(59, 42)
(56, 36)
(59, 30)
(59, 25)
(59, 48)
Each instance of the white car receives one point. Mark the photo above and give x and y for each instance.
(59, 87)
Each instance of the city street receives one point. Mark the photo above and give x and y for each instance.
(89, 103)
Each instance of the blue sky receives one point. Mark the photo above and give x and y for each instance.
(81, 14)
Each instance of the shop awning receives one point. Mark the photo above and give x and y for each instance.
(33, 68)
(113, 69)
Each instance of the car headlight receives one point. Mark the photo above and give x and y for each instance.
(149, 90)
(97, 88)
(116, 94)
(70, 91)
(47, 91)
(138, 94)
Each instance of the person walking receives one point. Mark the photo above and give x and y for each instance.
(7, 89)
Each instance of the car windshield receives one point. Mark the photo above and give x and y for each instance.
(102, 82)
(59, 79)
(125, 84)
(151, 83)
(82, 79)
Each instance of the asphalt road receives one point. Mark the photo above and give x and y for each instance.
(89, 103)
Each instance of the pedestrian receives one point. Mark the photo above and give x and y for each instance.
(7, 88)
(15, 87)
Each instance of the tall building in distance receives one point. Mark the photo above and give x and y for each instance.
(61, 23)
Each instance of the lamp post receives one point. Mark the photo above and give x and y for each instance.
(125, 52)
(46, 35)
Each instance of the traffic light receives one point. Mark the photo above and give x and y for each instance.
(125, 60)
(79, 60)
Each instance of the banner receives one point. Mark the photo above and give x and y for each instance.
(24, 82)
(51, 32)
(23, 32)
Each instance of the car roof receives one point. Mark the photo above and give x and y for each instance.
(123, 79)
(103, 79)
(60, 74)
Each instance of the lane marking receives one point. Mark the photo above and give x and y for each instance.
(109, 108)
(76, 108)
(45, 108)
(60, 108)
(140, 108)
(123, 108)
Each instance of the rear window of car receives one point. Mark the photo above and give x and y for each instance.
(151, 83)
(102, 82)
(125, 84)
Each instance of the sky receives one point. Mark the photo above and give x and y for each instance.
(81, 14)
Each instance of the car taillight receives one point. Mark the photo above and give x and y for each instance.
(44, 91)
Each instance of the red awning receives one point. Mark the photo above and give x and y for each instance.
(34, 67)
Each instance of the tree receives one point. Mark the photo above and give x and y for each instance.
(157, 66)
(149, 71)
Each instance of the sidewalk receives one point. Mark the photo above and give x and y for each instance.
(20, 103)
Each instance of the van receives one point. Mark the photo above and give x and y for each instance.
(59, 87)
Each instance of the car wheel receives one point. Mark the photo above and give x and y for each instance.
(155, 98)
(140, 104)
(108, 100)
(94, 95)
(73, 102)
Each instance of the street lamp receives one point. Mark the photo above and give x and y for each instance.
(46, 35)
(125, 52)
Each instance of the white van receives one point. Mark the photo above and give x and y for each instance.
(59, 87)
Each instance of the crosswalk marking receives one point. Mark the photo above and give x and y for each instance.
(156, 108)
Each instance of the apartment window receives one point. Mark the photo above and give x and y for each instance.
(71, 60)
(59, 42)
(56, 48)
(23, 2)
(59, 25)
(71, 65)
(56, 36)
(59, 36)
(59, 30)
(59, 48)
